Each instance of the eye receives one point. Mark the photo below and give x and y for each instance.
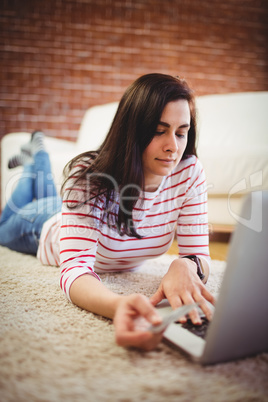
(159, 132)
(182, 134)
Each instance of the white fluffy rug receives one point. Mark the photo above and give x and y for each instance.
(51, 350)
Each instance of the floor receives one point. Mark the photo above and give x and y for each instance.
(218, 250)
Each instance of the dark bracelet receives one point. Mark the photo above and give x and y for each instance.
(200, 269)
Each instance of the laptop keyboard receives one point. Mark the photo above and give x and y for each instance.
(199, 330)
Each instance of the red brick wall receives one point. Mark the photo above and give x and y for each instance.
(59, 57)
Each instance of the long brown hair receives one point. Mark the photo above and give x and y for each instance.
(120, 155)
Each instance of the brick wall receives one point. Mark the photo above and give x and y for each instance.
(59, 57)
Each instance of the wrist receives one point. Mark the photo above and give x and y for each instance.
(189, 264)
(200, 271)
(117, 300)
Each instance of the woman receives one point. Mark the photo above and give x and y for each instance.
(122, 203)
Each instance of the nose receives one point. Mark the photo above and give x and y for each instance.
(171, 144)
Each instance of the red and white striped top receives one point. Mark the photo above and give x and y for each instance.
(49, 243)
(89, 246)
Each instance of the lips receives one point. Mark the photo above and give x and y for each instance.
(165, 160)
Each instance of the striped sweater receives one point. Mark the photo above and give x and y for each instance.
(89, 246)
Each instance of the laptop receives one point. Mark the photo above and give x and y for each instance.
(239, 327)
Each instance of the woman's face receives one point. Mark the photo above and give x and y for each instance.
(168, 145)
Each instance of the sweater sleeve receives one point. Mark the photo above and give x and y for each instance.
(79, 236)
(192, 225)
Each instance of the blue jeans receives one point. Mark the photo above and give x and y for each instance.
(31, 204)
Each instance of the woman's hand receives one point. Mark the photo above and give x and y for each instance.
(133, 316)
(181, 285)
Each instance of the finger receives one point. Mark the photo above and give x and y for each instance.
(157, 297)
(194, 317)
(206, 309)
(176, 302)
(208, 296)
(200, 299)
(125, 322)
(130, 338)
(183, 320)
(143, 307)
(193, 314)
(140, 339)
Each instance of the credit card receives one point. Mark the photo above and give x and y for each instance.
(175, 315)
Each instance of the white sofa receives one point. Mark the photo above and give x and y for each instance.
(233, 147)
